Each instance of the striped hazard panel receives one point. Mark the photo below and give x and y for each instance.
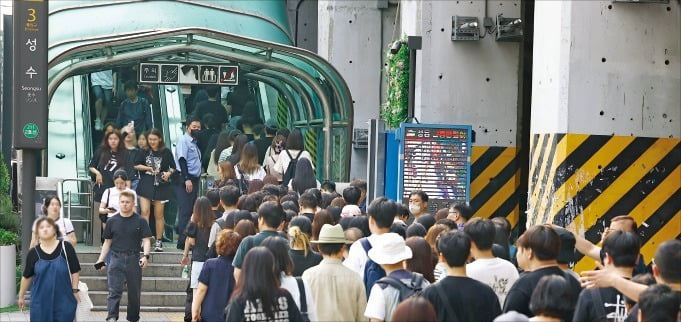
(582, 181)
(494, 182)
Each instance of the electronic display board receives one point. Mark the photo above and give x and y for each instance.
(435, 158)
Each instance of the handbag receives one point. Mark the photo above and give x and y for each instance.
(85, 305)
(303, 300)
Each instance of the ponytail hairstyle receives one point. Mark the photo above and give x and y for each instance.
(299, 239)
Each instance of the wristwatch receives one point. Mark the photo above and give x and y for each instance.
(75, 290)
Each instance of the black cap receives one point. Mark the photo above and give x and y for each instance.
(567, 246)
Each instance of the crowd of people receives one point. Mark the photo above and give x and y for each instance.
(269, 242)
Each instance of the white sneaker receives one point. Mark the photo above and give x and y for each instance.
(98, 125)
(158, 247)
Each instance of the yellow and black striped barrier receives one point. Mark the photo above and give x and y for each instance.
(311, 144)
(282, 112)
(495, 178)
(582, 181)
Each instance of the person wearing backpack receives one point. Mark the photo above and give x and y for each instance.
(288, 159)
(381, 213)
(391, 252)
(458, 297)
(229, 196)
(248, 168)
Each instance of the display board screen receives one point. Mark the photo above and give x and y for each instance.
(436, 160)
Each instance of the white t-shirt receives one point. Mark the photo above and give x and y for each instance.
(497, 273)
(258, 174)
(102, 78)
(375, 304)
(283, 160)
(111, 197)
(357, 257)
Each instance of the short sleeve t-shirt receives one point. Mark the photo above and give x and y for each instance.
(600, 304)
(250, 242)
(284, 310)
(110, 198)
(470, 300)
(218, 275)
(497, 273)
(32, 258)
(65, 225)
(302, 262)
(200, 247)
(518, 298)
(126, 233)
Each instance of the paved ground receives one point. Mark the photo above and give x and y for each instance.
(98, 316)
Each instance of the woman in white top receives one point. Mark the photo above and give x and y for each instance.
(110, 204)
(52, 209)
(295, 149)
(221, 144)
(272, 155)
(248, 166)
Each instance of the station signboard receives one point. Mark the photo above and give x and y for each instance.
(189, 74)
(435, 158)
(30, 74)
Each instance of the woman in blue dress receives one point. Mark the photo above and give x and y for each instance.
(52, 273)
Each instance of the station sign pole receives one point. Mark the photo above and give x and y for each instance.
(30, 100)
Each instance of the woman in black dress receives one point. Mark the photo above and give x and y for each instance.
(109, 157)
(156, 166)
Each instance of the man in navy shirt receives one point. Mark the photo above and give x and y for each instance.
(188, 157)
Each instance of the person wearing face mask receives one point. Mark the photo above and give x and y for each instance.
(418, 205)
(188, 159)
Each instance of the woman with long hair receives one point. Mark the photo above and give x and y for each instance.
(299, 232)
(109, 157)
(156, 166)
(226, 174)
(110, 204)
(52, 272)
(304, 178)
(221, 144)
(295, 150)
(248, 166)
(52, 209)
(235, 156)
(423, 259)
(216, 281)
(130, 140)
(245, 227)
(198, 231)
(272, 155)
(258, 293)
(284, 266)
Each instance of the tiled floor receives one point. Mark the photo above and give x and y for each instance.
(98, 316)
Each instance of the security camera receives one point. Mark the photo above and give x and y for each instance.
(396, 47)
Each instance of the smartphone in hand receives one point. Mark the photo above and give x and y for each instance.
(99, 266)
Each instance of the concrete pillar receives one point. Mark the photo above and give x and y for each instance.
(472, 83)
(350, 37)
(606, 118)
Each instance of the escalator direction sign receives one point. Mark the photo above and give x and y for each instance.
(189, 74)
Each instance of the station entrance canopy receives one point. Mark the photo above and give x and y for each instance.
(317, 97)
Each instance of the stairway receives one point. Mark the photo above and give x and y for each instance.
(163, 289)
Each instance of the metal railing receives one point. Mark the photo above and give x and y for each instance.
(80, 202)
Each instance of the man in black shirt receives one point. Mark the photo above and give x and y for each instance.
(264, 134)
(538, 249)
(213, 106)
(123, 234)
(308, 205)
(605, 304)
(458, 297)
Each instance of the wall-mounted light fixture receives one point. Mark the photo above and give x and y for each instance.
(465, 28)
(509, 29)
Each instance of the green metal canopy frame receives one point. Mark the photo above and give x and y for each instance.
(327, 103)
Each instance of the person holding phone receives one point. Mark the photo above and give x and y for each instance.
(123, 234)
(110, 204)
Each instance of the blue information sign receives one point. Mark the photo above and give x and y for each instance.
(435, 158)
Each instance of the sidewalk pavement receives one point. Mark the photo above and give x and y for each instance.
(100, 316)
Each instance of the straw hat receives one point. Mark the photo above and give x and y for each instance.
(389, 248)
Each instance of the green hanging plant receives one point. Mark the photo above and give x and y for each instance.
(394, 110)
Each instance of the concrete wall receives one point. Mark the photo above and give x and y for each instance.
(465, 82)
(305, 31)
(349, 36)
(607, 68)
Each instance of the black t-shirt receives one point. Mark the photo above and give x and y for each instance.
(518, 298)
(469, 299)
(126, 233)
(285, 309)
(32, 258)
(308, 215)
(152, 158)
(633, 314)
(115, 161)
(262, 144)
(201, 236)
(213, 107)
(301, 263)
(597, 303)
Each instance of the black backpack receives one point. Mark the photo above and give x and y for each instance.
(291, 169)
(415, 287)
(242, 183)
